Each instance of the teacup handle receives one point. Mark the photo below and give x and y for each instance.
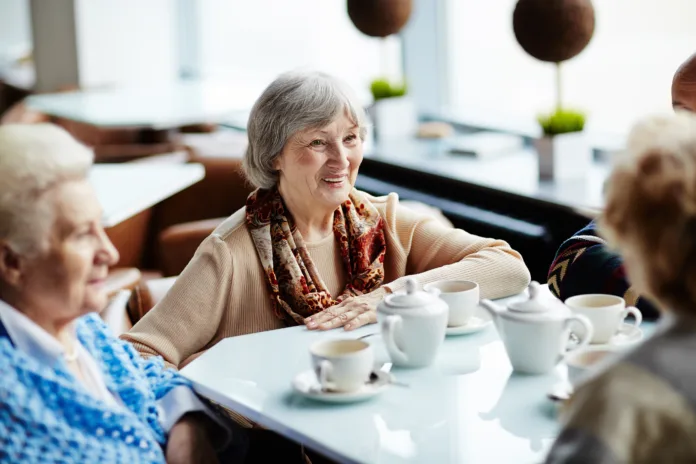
(635, 312)
(587, 325)
(391, 324)
(323, 373)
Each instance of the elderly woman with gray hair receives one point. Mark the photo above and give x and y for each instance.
(69, 390)
(309, 248)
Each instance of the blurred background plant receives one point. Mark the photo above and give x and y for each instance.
(382, 88)
(555, 32)
(562, 121)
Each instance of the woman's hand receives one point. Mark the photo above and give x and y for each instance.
(188, 441)
(351, 313)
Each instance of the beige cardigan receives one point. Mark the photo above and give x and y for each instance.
(222, 292)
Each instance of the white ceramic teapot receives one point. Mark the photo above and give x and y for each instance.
(536, 333)
(413, 325)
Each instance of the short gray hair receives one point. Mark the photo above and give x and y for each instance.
(295, 101)
(34, 158)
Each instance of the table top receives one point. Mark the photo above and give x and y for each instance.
(163, 107)
(126, 189)
(468, 407)
(515, 173)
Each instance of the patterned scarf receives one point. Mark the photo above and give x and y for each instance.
(297, 290)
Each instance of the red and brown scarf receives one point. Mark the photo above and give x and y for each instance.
(297, 290)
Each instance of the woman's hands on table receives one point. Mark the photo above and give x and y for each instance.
(350, 313)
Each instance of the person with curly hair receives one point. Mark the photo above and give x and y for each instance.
(641, 406)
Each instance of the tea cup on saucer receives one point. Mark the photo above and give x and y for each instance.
(584, 361)
(461, 296)
(606, 312)
(342, 365)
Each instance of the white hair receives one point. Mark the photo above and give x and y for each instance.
(295, 101)
(34, 158)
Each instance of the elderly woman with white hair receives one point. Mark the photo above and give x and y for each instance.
(309, 248)
(69, 390)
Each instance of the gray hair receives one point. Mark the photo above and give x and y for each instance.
(293, 102)
(34, 158)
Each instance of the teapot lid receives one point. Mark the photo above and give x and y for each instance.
(533, 304)
(412, 297)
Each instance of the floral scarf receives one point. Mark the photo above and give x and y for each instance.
(297, 290)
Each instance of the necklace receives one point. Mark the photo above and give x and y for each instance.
(71, 357)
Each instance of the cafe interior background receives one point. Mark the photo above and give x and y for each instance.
(161, 90)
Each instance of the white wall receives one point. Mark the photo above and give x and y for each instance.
(15, 31)
(624, 73)
(126, 42)
(251, 42)
(103, 43)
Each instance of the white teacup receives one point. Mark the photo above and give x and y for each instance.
(606, 312)
(342, 365)
(462, 297)
(583, 361)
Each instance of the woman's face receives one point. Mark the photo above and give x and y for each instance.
(65, 279)
(318, 167)
(683, 95)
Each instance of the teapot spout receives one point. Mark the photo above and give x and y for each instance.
(493, 309)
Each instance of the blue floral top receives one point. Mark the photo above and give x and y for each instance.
(46, 415)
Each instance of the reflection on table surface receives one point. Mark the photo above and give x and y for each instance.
(468, 407)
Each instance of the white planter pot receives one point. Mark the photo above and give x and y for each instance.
(394, 117)
(564, 156)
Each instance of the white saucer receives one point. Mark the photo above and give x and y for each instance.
(628, 334)
(475, 324)
(560, 392)
(306, 385)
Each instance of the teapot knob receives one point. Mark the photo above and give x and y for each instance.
(411, 286)
(534, 289)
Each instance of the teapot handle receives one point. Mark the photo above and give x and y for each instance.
(587, 325)
(390, 325)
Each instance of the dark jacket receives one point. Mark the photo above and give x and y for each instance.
(584, 264)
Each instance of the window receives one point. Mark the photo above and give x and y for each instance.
(623, 74)
(249, 43)
(15, 30)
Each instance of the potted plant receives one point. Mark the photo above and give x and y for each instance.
(393, 112)
(555, 32)
(563, 149)
(382, 88)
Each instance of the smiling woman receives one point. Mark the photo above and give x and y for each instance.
(309, 248)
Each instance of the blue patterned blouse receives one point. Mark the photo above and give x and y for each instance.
(46, 415)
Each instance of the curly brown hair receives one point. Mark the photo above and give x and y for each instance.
(650, 214)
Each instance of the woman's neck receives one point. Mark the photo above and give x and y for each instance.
(313, 222)
(59, 329)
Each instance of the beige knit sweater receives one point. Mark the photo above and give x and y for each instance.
(222, 292)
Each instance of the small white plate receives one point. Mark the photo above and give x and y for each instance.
(628, 334)
(307, 385)
(475, 324)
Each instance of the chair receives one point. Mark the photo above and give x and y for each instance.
(19, 113)
(146, 294)
(118, 285)
(181, 222)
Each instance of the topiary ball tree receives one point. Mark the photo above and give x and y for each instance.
(553, 30)
(379, 18)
